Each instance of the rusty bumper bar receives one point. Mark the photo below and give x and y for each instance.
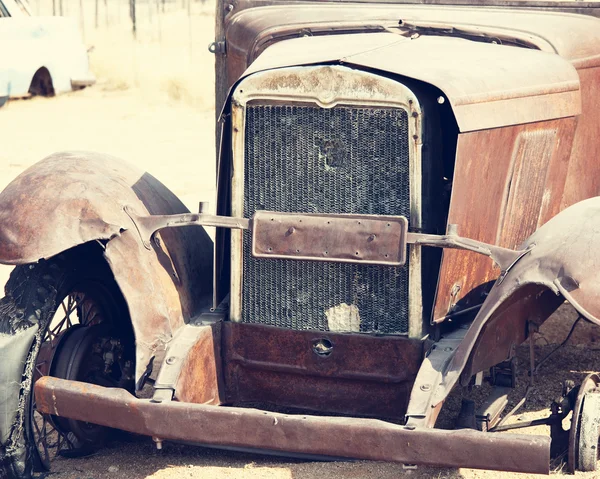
(322, 436)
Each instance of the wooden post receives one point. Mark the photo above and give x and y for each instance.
(81, 19)
(189, 13)
(96, 14)
(220, 67)
(158, 22)
(132, 15)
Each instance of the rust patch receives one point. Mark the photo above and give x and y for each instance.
(583, 177)
(200, 377)
(362, 374)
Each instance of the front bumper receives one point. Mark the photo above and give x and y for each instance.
(334, 437)
(77, 83)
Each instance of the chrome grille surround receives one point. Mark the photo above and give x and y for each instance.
(326, 87)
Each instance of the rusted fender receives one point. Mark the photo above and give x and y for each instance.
(563, 262)
(71, 198)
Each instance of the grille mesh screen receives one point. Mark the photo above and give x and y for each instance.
(304, 159)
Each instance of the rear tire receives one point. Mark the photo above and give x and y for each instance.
(41, 83)
(95, 327)
(589, 432)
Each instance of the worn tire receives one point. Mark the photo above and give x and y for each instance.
(33, 293)
(41, 83)
(589, 432)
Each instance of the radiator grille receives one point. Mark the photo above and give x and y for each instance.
(305, 159)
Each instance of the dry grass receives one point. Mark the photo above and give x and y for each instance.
(168, 59)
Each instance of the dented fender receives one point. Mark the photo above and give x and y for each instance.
(562, 263)
(71, 198)
(13, 355)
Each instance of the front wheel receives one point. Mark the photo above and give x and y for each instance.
(84, 335)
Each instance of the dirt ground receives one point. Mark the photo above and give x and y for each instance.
(166, 128)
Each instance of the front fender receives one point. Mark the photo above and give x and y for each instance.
(71, 198)
(563, 262)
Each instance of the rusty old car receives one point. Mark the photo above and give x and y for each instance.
(406, 192)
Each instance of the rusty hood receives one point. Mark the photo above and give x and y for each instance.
(487, 85)
(251, 29)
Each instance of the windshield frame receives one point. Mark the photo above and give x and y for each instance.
(586, 7)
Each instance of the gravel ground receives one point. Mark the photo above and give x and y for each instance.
(174, 142)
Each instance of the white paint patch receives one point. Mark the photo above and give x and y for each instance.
(343, 317)
(546, 197)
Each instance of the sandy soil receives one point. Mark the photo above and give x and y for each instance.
(165, 126)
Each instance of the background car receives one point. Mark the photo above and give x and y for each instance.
(43, 55)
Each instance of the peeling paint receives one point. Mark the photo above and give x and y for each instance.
(343, 317)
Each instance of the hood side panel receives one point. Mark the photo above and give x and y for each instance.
(498, 197)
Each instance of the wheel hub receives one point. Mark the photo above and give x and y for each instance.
(77, 348)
